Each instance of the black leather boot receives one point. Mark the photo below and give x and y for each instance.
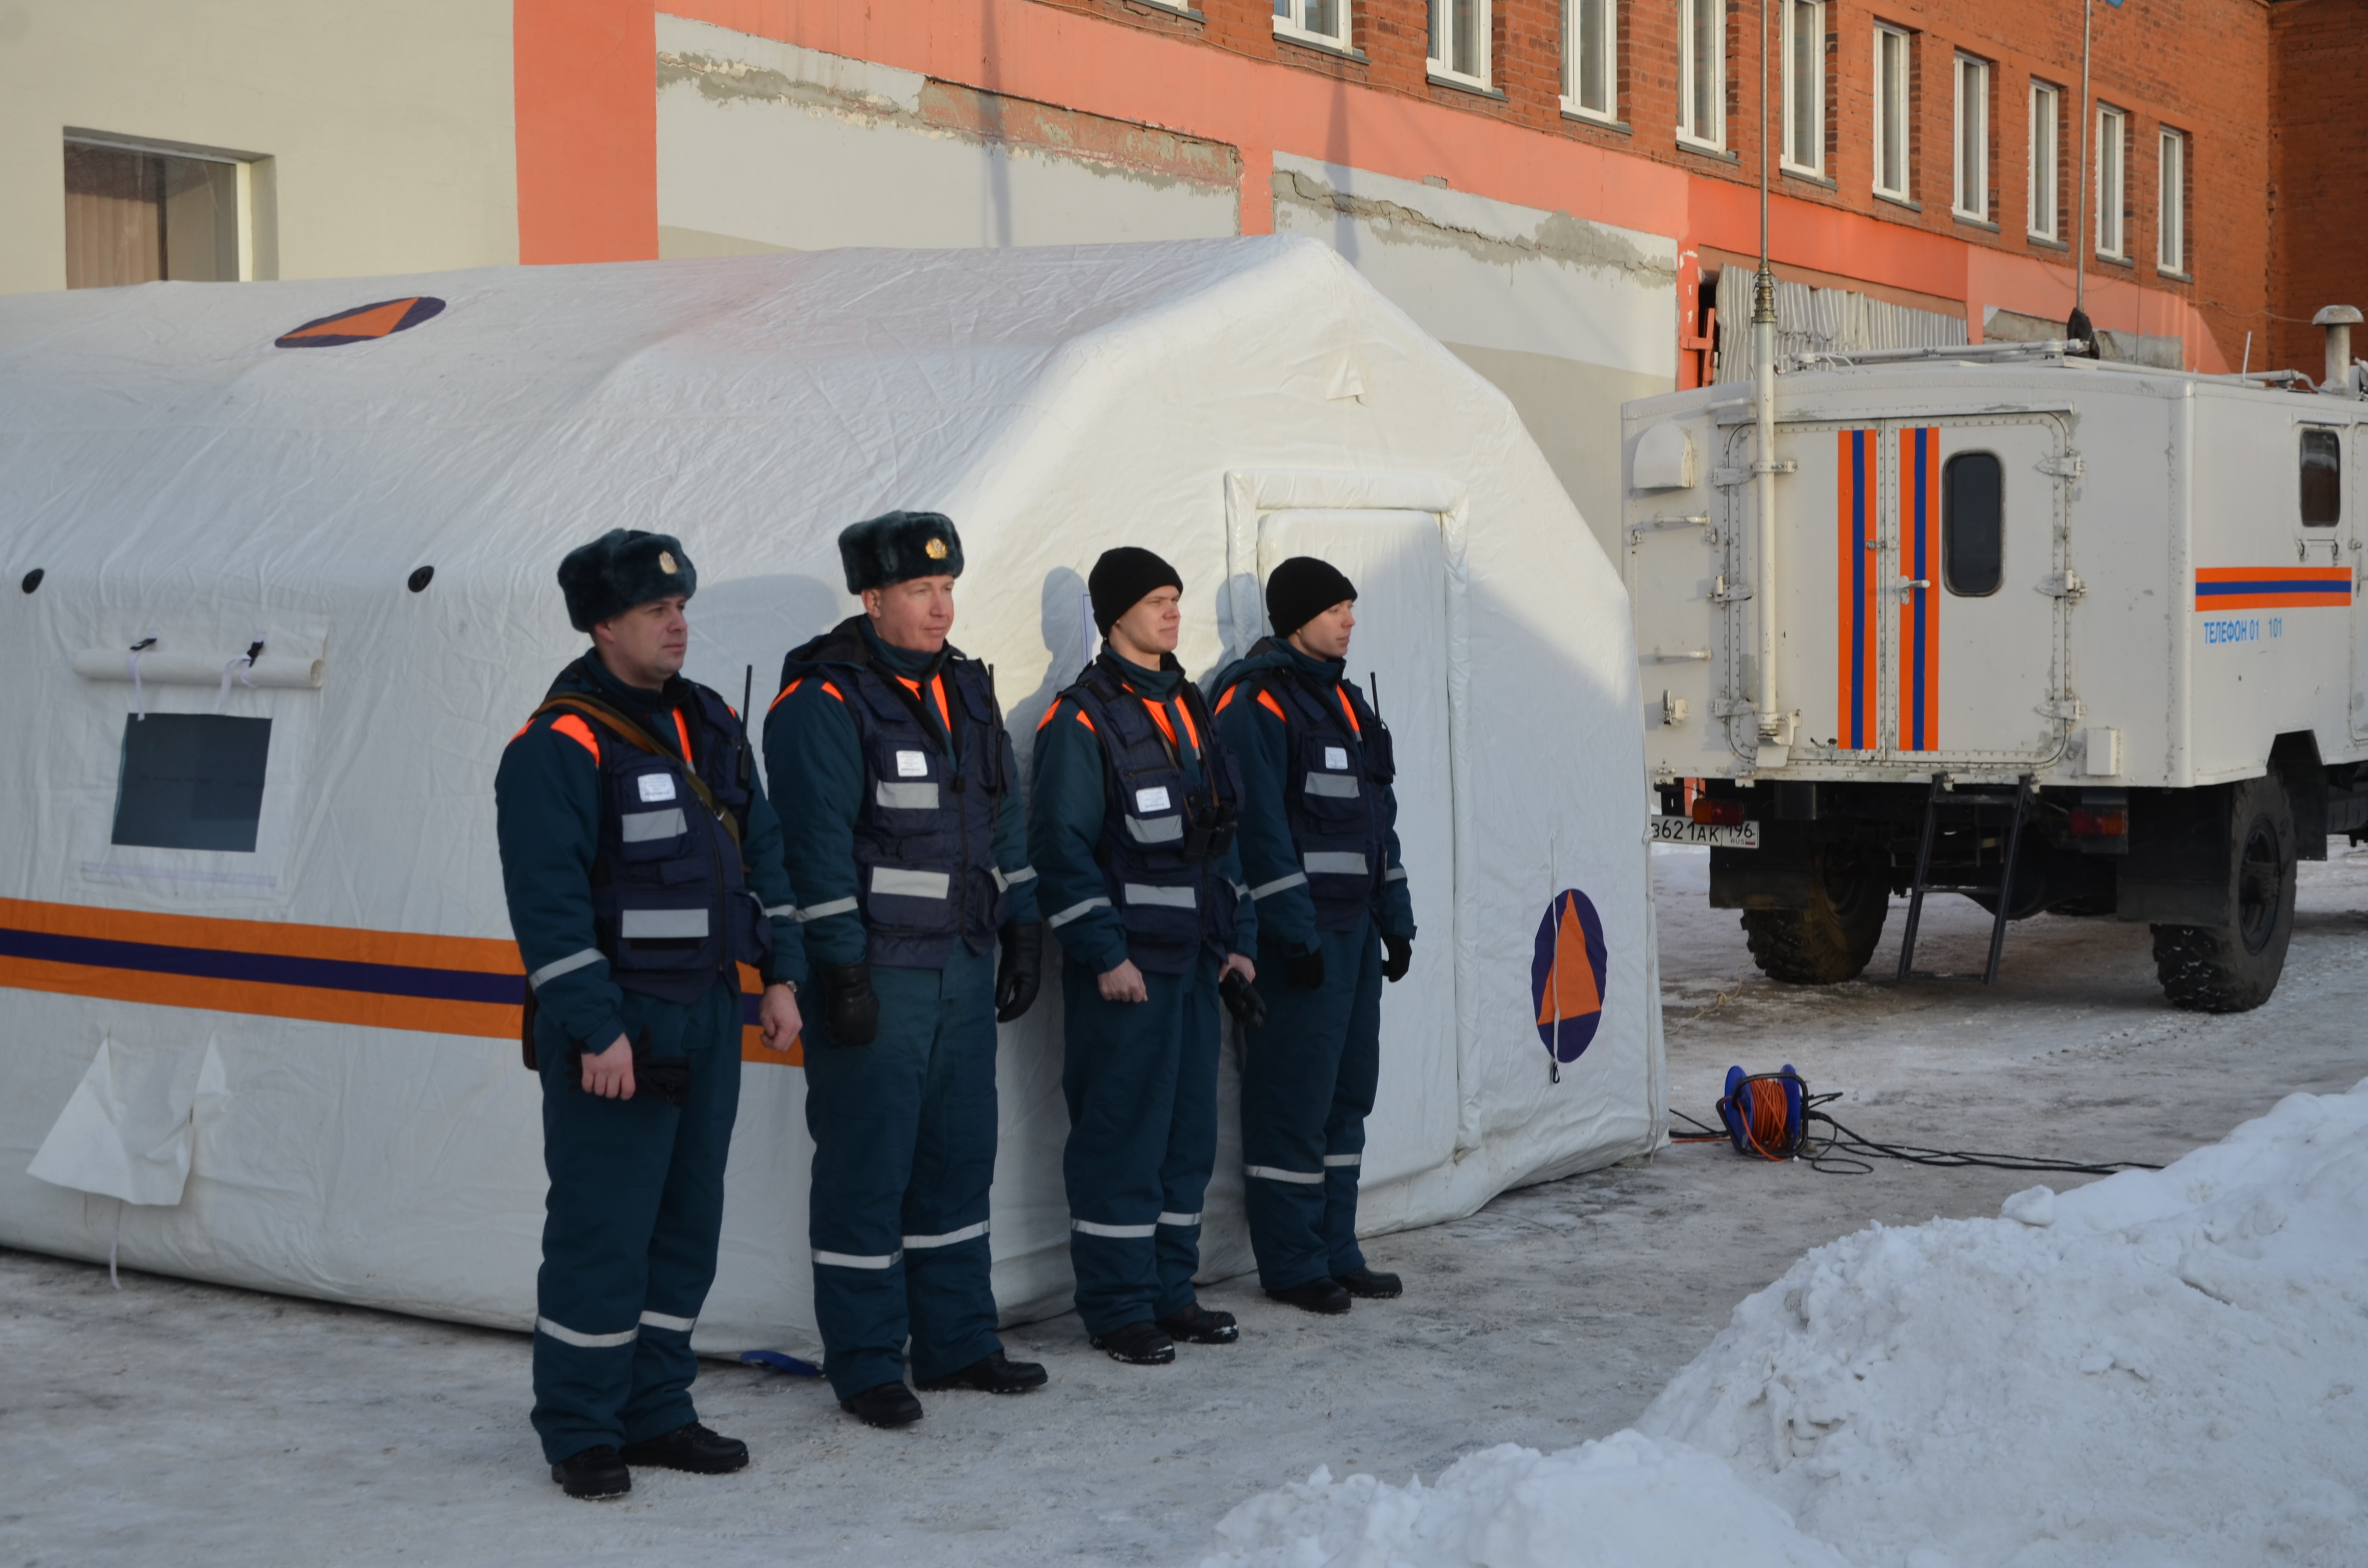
(884, 1404)
(1371, 1284)
(595, 1474)
(1317, 1295)
(992, 1374)
(692, 1447)
(1137, 1345)
(1196, 1325)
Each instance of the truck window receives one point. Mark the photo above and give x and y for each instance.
(1972, 543)
(2322, 479)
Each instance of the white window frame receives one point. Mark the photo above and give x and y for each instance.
(2046, 135)
(2170, 186)
(1443, 69)
(1291, 22)
(1885, 107)
(1969, 136)
(1805, 89)
(1710, 138)
(2112, 176)
(1598, 100)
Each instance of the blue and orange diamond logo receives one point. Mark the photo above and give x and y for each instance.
(362, 324)
(1567, 972)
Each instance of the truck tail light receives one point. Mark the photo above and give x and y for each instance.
(1718, 814)
(2091, 822)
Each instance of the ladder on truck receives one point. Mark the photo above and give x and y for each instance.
(1974, 808)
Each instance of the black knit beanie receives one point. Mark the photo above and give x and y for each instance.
(1301, 589)
(1123, 579)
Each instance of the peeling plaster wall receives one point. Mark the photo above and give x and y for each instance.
(388, 132)
(768, 146)
(1570, 318)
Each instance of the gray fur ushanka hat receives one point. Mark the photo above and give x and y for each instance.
(622, 568)
(898, 546)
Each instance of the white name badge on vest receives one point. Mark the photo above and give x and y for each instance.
(1151, 800)
(657, 786)
(912, 764)
(1336, 757)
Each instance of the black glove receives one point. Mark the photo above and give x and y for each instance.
(1304, 970)
(851, 1013)
(1022, 971)
(1397, 956)
(1242, 999)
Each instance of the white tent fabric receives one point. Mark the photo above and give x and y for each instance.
(185, 487)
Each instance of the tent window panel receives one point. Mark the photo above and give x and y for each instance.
(2322, 479)
(191, 781)
(1972, 520)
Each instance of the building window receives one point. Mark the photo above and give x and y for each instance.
(1972, 182)
(1973, 532)
(1319, 21)
(1702, 73)
(2047, 216)
(2170, 249)
(136, 214)
(2322, 478)
(191, 781)
(1891, 113)
(1805, 86)
(2111, 159)
(1591, 43)
(1459, 41)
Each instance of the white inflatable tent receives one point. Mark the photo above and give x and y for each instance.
(265, 1036)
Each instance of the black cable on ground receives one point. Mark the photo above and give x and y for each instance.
(1845, 1151)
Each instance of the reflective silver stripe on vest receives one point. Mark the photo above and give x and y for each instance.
(1241, 889)
(1280, 884)
(567, 965)
(1273, 1173)
(898, 883)
(1335, 863)
(660, 1320)
(851, 1260)
(1394, 874)
(1005, 880)
(662, 925)
(1116, 1233)
(781, 912)
(1344, 1159)
(822, 911)
(1344, 786)
(917, 796)
(1154, 830)
(967, 1232)
(1163, 898)
(640, 827)
(566, 1335)
(1076, 909)
(1179, 1222)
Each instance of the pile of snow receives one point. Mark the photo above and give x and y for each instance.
(2162, 1368)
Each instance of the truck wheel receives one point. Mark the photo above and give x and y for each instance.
(1829, 941)
(2233, 969)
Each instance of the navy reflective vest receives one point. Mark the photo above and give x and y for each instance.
(1334, 795)
(1163, 844)
(925, 830)
(671, 906)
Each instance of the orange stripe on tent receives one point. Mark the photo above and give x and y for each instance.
(363, 1008)
(482, 955)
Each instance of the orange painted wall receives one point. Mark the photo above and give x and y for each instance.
(586, 109)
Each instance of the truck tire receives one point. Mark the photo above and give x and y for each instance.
(1829, 941)
(2233, 969)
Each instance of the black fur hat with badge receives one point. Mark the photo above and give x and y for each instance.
(622, 568)
(896, 547)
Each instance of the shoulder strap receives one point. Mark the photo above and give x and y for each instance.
(630, 730)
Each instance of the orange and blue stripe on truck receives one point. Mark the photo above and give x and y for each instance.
(2272, 587)
(1856, 522)
(1919, 620)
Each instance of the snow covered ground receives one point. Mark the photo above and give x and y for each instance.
(189, 1424)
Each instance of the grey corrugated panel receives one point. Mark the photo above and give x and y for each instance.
(1823, 321)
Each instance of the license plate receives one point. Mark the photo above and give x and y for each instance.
(1684, 830)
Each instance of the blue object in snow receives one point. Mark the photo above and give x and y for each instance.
(780, 1361)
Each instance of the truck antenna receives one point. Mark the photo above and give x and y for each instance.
(1763, 468)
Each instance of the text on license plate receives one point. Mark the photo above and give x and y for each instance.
(1681, 830)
